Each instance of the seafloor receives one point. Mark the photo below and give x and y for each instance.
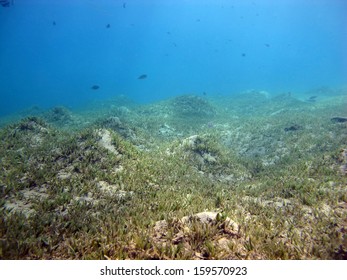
(250, 176)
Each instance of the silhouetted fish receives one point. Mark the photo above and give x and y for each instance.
(124, 5)
(95, 87)
(54, 23)
(293, 127)
(142, 77)
(312, 99)
(243, 54)
(108, 25)
(6, 3)
(339, 119)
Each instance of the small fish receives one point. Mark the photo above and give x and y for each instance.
(124, 5)
(5, 3)
(95, 87)
(142, 77)
(243, 54)
(108, 25)
(267, 45)
(339, 119)
(312, 98)
(293, 127)
(54, 23)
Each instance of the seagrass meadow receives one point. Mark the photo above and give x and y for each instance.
(251, 176)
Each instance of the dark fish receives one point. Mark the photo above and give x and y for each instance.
(54, 23)
(293, 128)
(267, 45)
(95, 87)
(339, 119)
(5, 3)
(243, 54)
(124, 5)
(108, 25)
(312, 98)
(142, 77)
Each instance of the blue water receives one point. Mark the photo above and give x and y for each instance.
(197, 46)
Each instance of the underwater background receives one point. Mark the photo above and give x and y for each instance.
(53, 52)
(173, 129)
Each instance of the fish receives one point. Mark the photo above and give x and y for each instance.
(95, 87)
(311, 99)
(108, 25)
(6, 3)
(142, 77)
(339, 119)
(293, 128)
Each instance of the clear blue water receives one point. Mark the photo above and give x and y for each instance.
(52, 51)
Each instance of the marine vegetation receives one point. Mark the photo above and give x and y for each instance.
(191, 105)
(244, 177)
